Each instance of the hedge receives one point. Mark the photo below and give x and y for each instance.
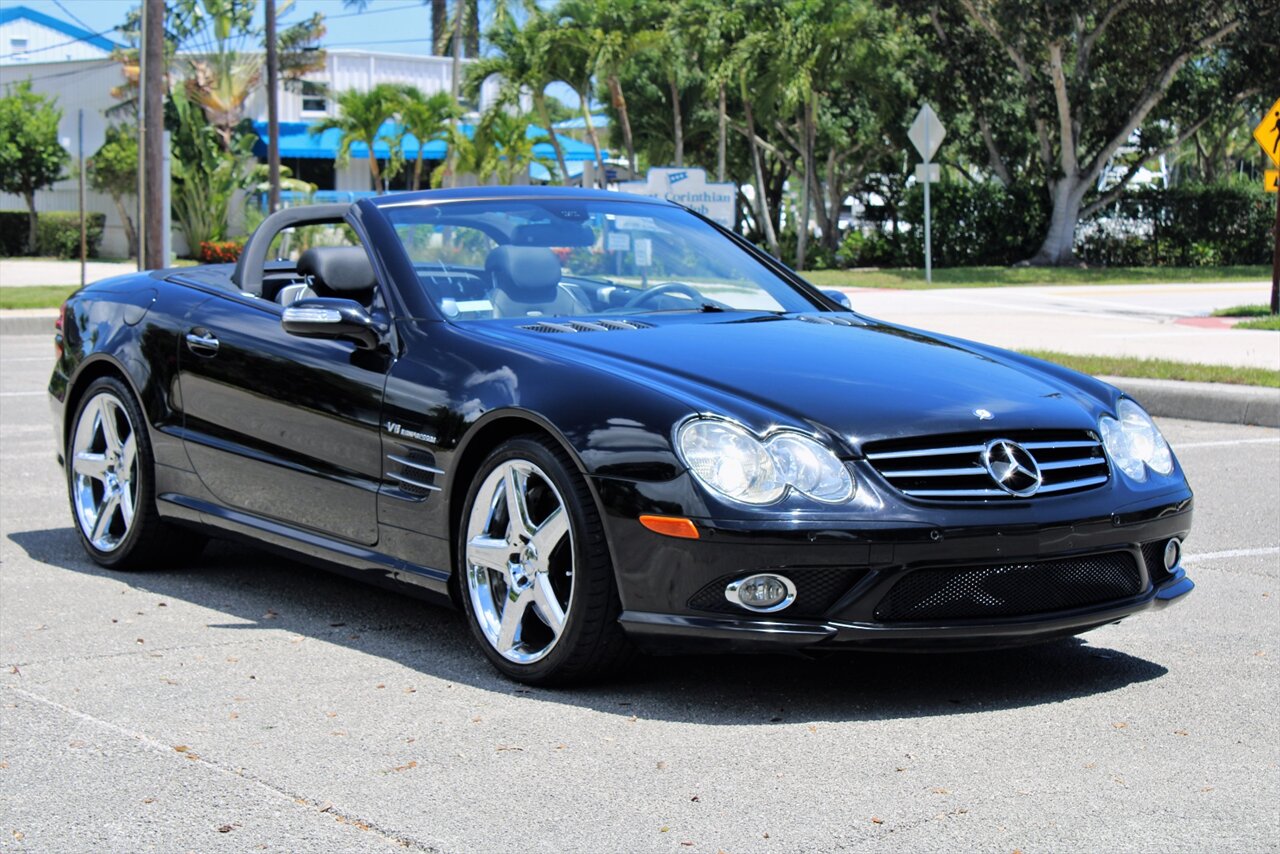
(13, 233)
(986, 224)
(57, 233)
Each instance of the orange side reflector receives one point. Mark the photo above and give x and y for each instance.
(671, 526)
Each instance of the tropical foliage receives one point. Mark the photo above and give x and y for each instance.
(113, 170)
(31, 157)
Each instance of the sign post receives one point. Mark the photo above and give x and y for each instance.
(1267, 133)
(926, 135)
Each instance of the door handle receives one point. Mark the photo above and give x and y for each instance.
(202, 342)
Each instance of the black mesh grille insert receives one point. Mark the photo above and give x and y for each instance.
(817, 589)
(1010, 590)
(1153, 556)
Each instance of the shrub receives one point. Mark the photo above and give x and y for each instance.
(13, 233)
(220, 251)
(58, 234)
(1184, 226)
(975, 224)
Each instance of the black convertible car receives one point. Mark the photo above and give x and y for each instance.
(601, 423)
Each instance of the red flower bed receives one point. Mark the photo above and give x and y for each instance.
(220, 251)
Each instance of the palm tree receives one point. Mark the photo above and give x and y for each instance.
(360, 118)
(522, 66)
(426, 119)
(500, 146)
(570, 55)
(618, 29)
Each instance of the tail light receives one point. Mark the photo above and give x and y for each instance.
(57, 330)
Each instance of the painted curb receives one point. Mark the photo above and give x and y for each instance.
(1218, 402)
(28, 321)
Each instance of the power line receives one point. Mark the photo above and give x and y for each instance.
(374, 11)
(72, 15)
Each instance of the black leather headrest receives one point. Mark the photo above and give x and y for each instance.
(528, 273)
(341, 269)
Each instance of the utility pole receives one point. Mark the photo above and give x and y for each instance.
(152, 96)
(273, 112)
(84, 237)
(455, 84)
(141, 108)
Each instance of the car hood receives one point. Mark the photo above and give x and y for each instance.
(862, 381)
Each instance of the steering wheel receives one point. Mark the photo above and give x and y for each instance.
(647, 296)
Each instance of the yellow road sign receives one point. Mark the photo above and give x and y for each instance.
(1271, 180)
(1267, 133)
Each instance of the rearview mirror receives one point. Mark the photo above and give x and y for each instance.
(341, 319)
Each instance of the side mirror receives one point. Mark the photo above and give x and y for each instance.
(341, 319)
(838, 296)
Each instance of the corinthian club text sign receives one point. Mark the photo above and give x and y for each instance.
(689, 187)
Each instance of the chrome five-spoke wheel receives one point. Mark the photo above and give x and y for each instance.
(104, 468)
(519, 555)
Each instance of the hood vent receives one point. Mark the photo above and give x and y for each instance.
(828, 320)
(587, 326)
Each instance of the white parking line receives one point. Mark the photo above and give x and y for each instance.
(1267, 550)
(1227, 443)
(22, 393)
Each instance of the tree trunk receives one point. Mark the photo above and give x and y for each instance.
(620, 104)
(762, 199)
(417, 167)
(31, 221)
(1058, 249)
(721, 140)
(130, 235)
(677, 120)
(455, 84)
(439, 23)
(375, 171)
(540, 104)
(802, 235)
(473, 28)
(591, 134)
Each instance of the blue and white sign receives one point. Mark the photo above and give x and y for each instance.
(689, 187)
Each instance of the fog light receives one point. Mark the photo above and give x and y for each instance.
(761, 592)
(1172, 553)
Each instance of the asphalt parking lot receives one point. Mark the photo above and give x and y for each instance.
(249, 703)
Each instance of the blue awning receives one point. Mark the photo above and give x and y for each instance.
(297, 141)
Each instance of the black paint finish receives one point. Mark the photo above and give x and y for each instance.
(359, 458)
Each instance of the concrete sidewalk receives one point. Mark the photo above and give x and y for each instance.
(19, 272)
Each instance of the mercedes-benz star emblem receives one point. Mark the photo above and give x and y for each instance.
(1012, 467)
(983, 414)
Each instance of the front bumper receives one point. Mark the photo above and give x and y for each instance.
(685, 633)
(672, 589)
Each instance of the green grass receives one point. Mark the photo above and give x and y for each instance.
(1256, 310)
(1160, 369)
(35, 296)
(1271, 322)
(997, 277)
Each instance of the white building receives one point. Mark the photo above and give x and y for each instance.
(73, 66)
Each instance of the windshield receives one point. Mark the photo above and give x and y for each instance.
(569, 257)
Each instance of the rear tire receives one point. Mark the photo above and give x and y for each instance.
(534, 571)
(111, 484)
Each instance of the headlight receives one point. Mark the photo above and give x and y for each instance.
(1134, 442)
(731, 461)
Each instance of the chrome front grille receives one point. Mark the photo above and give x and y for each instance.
(950, 468)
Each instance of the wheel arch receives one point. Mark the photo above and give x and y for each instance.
(95, 368)
(486, 434)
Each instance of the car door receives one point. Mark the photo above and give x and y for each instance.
(282, 427)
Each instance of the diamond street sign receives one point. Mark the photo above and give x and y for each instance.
(1267, 133)
(926, 133)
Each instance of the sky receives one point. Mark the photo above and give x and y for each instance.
(391, 26)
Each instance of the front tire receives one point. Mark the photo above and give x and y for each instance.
(111, 484)
(537, 583)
